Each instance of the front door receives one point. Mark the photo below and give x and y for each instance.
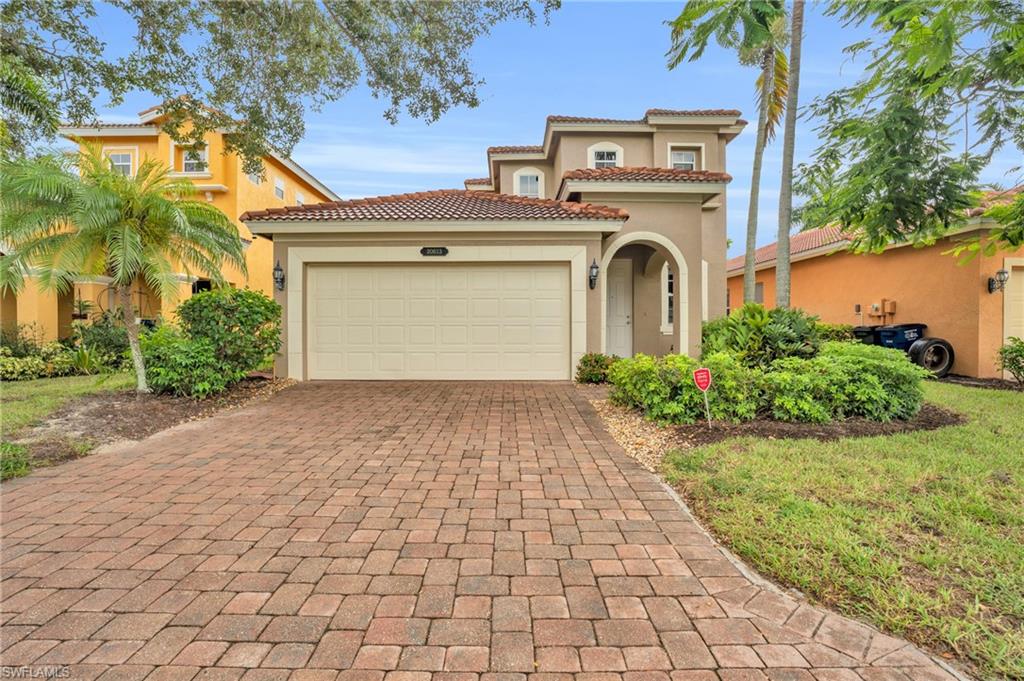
(619, 334)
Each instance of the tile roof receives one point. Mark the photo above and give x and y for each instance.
(646, 175)
(442, 204)
(691, 112)
(477, 180)
(522, 149)
(831, 235)
(589, 119)
(801, 242)
(102, 124)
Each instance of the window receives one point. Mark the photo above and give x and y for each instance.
(668, 299)
(605, 159)
(279, 188)
(255, 178)
(529, 186)
(300, 200)
(759, 292)
(670, 296)
(121, 161)
(195, 160)
(683, 159)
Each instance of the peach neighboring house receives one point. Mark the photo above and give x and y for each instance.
(904, 284)
(607, 237)
(218, 177)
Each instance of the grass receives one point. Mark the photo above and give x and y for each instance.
(921, 534)
(14, 461)
(23, 403)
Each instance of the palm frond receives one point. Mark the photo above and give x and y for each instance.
(776, 91)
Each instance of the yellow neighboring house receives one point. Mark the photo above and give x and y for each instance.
(217, 176)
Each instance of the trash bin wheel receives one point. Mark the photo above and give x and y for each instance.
(934, 354)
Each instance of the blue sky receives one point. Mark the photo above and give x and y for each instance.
(593, 59)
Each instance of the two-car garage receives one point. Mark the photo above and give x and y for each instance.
(438, 321)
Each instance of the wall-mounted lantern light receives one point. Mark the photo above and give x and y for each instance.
(278, 276)
(998, 282)
(594, 271)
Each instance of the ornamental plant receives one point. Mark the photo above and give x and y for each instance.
(758, 337)
(1011, 359)
(593, 367)
(242, 326)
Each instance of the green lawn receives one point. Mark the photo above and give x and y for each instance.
(921, 534)
(22, 403)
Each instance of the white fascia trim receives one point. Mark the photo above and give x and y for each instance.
(136, 131)
(204, 175)
(708, 189)
(304, 174)
(475, 226)
(518, 155)
(211, 187)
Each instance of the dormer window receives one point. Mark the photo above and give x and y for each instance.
(529, 186)
(195, 160)
(605, 159)
(604, 155)
(684, 159)
(528, 182)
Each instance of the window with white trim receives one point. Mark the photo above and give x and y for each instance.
(684, 159)
(121, 162)
(255, 178)
(195, 160)
(529, 186)
(300, 200)
(668, 299)
(605, 158)
(279, 188)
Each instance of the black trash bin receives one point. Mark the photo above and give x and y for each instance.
(867, 334)
(901, 336)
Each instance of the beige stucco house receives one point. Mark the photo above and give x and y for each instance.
(608, 237)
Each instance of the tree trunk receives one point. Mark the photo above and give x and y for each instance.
(782, 260)
(749, 284)
(128, 315)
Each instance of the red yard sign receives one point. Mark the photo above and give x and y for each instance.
(702, 377)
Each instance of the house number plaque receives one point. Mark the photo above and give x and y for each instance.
(434, 250)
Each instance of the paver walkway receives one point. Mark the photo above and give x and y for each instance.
(418, 531)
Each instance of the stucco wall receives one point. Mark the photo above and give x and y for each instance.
(927, 287)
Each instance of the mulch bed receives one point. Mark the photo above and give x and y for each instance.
(989, 383)
(648, 442)
(95, 420)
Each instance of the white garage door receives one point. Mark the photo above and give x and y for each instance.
(438, 321)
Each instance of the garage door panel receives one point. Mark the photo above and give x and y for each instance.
(438, 321)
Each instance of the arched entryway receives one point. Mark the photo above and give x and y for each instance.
(638, 312)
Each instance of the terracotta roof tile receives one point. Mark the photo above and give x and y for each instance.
(521, 149)
(646, 175)
(691, 112)
(589, 119)
(102, 124)
(442, 204)
(477, 180)
(812, 239)
(798, 243)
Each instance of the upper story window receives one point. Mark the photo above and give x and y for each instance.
(195, 160)
(279, 188)
(604, 155)
(255, 178)
(683, 159)
(300, 200)
(121, 162)
(528, 182)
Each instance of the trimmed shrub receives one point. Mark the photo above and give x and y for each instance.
(184, 366)
(105, 336)
(242, 326)
(593, 367)
(758, 337)
(50, 360)
(846, 379)
(664, 390)
(1011, 359)
(835, 332)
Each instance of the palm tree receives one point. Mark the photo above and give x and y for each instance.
(782, 271)
(70, 216)
(756, 30)
(24, 101)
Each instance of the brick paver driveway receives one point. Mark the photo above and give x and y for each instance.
(466, 531)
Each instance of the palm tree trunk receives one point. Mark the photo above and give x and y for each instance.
(782, 261)
(749, 283)
(128, 315)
